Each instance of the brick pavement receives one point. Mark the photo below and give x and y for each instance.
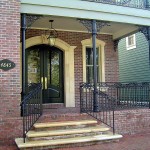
(128, 142)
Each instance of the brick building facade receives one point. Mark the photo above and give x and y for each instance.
(10, 81)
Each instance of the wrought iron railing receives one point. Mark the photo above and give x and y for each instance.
(31, 107)
(142, 4)
(128, 95)
(113, 96)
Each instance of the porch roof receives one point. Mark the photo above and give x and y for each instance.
(123, 20)
(118, 30)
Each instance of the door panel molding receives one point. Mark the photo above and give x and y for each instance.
(69, 85)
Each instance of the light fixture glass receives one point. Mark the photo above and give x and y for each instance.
(51, 34)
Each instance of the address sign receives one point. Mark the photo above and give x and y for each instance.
(6, 64)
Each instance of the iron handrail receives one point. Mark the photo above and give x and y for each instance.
(105, 112)
(141, 4)
(31, 107)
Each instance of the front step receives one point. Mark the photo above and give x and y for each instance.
(61, 134)
(57, 142)
(62, 124)
(36, 134)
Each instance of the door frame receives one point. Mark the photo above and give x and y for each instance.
(69, 85)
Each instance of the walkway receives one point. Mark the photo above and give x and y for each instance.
(128, 142)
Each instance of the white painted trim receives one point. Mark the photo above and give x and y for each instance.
(88, 10)
(69, 85)
(133, 46)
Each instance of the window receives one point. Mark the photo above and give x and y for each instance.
(89, 64)
(87, 54)
(130, 42)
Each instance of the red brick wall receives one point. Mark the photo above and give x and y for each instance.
(132, 121)
(9, 80)
(10, 49)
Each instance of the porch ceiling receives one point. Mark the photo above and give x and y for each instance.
(118, 30)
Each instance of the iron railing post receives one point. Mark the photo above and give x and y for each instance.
(23, 29)
(23, 112)
(94, 32)
(41, 106)
(81, 100)
(113, 120)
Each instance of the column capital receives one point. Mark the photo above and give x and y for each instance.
(88, 24)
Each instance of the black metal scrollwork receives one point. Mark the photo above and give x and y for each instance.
(30, 19)
(88, 24)
(129, 3)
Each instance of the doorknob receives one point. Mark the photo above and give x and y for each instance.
(45, 82)
(42, 82)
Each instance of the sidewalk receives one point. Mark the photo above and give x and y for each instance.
(128, 142)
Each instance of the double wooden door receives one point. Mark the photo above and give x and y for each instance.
(44, 64)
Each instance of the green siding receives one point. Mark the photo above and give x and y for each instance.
(134, 63)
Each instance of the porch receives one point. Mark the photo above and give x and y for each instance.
(54, 129)
(87, 50)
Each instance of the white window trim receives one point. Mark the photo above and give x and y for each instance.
(100, 44)
(133, 46)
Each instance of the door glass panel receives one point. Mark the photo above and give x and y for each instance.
(53, 74)
(33, 61)
(55, 68)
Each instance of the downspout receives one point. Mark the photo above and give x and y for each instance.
(23, 31)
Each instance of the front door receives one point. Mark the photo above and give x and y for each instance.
(45, 66)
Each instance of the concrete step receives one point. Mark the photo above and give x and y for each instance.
(37, 134)
(59, 142)
(64, 123)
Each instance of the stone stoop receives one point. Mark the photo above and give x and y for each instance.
(66, 134)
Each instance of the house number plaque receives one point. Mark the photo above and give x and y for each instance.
(6, 64)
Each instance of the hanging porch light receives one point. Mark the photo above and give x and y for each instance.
(51, 34)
